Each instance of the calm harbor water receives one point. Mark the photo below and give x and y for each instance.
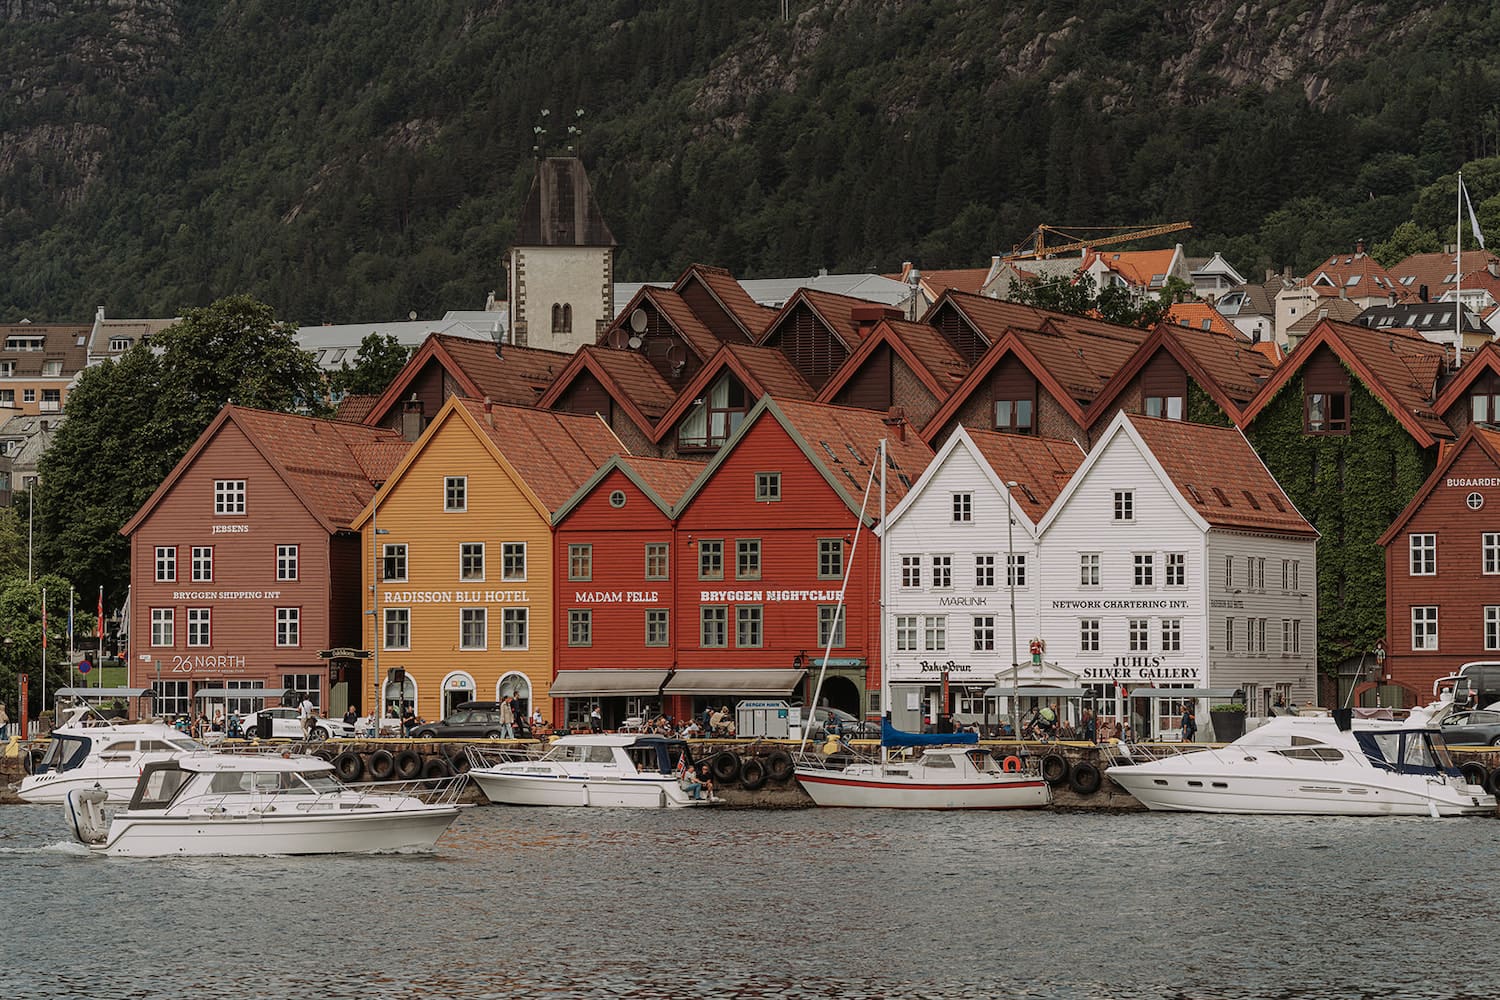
(835, 903)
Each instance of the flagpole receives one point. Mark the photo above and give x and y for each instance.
(1458, 278)
(99, 631)
(71, 660)
(44, 652)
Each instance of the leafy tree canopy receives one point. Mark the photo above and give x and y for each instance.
(378, 362)
(1079, 295)
(21, 625)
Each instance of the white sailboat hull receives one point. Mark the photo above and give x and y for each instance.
(873, 786)
(414, 827)
(516, 786)
(53, 787)
(1319, 794)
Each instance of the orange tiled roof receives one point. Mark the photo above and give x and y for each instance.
(353, 408)
(1040, 467)
(1270, 349)
(636, 378)
(1355, 275)
(845, 440)
(669, 478)
(1435, 270)
(1220, 476)
(968, 279)
(1138, 267)
(553, 453)
(1196, 314)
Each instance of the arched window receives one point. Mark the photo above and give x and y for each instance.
(557, 318)
(567, 318)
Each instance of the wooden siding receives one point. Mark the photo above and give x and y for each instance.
(957, 331)
(498, 512)
(657, 342)
(586, 395)
(432, 388)
(809, 345)
(873, 386)
(710, 313)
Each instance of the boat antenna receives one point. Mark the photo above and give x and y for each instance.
(838, 609)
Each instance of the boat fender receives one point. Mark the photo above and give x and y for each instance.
(408, 764)
(1085, 779)
(459, 762)
(779, 766)
(381, 765)
(436, 766)
(1055, 769)
(1473, 772)
(1012, 764)
(86, 814)
(752, 773)
(1492, 783)
(327, 755)
(349, 765)
(726, 767)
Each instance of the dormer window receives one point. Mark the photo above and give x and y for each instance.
(1016, 416)
(27, 342)
(119, 343)
(1484, 400)
(1327, 413)
(711, 422)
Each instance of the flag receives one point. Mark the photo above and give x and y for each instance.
(101, 621)
(1473, 219)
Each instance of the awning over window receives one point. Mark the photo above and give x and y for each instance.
(730, 680)
(87, 692)
(605, 683)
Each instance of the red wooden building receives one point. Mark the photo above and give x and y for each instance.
(1442, 557)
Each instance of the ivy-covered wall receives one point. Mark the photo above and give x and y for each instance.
(1201, 408)
(1351, 487)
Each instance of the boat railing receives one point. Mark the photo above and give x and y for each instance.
(490, 756)
(427, 791)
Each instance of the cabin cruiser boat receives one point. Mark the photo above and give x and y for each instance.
(231, 804)
(1320, 765)
(951, 773)
(88, 750)
(623, 770)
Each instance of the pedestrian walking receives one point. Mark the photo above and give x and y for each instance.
(507, 719)
(1189, 724)
(305, 716)
(4, 722)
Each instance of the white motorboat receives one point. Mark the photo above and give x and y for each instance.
(1319, 765)
(945, 776)
(231, 804)
(643, 772)
(88, 751)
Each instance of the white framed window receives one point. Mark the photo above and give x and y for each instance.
(580, 562)
(984, 633)
(1257, 573)
(288, 626)
(1260, 635)
(1140, 634)
(1176, 569)
(911, 571)
(713, 626)
(580, 627)
(747, 559)
(398, 628)
(1124, 505)
(657, 621)
(1228, 572)
(1145, 569)
(163, 627)
(963, 508)
(514, 623)
(1229, 635)
(471, 561)
(830, 625)
(1489, 547)
(1171, 635)
(1286, 578)
(658, 561)
(229, 496)
(767, 487)
(166, 564)
(1015, 569)
(1424, 627)
(1296, 574)
(942, 572)
(200, 627)
(748, 621)
(286, 562)
(906, 633)
(1423, 550)
(984, 570)
(710, 558)
(1088, 635)
(935, 633)
(1296, 635)
(455, 493)
(1088, 569)
(203, 564)
(830, 558)
(513, 561)
(1491, 626)
(473, 628)
(393, 561)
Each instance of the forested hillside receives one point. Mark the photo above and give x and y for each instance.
(363, 159)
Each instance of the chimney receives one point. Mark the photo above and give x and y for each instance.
(896, 420)
(412, 422)
(1359, 248)
(1493, 267)
(1422, 293)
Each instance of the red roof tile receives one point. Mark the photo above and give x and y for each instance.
(669, 478)
(553, 453)
(1195, 315)
(773, 370)
(635, 378)
(1368, 277)
(515, 376)
(844, 441)
(932, 349)
(1139, 267)
(1228, 360)
(671, 305)
(354, 408)
(1040, 467)
(732, 294)
(1220, 476)
(1435, 270)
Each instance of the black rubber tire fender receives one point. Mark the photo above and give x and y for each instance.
(753, 773)
(1055, 769)
(349, 765)
(408, 764)
(324, 754)
(726, 768)
(436, 766)
(1492, 783)
(459, 762)
(1085, 779)
(381, 765)
(779, 766)
(1473, 772)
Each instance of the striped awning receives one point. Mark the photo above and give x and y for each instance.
(606, 682)
(733, 680)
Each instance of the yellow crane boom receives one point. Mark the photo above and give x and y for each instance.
(1035, 246)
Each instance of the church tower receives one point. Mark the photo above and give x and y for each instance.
(563, 261)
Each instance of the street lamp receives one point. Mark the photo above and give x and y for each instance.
(1010, 579)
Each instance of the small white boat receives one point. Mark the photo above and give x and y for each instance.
(230, 804)
(90, 751)
(642, 772)
(1318, 765)
(943, 777)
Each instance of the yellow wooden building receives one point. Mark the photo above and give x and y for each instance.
(458, 546)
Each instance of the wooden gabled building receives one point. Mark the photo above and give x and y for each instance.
(620, 385)
(899, 366)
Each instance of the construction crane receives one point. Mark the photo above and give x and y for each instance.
(1035, 246)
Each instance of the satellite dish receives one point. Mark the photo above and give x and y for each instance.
(635, 343)
(412, 314)
(638, 320)
(617, 338)
(676, 356)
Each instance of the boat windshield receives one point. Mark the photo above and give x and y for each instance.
(158, 786)
(65, 753)
(1413, 751)
(274, 782)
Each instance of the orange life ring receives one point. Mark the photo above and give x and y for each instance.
(1012, 764)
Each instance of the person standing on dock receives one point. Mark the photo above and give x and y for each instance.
(4, 721)
(507, 719)
(596, 721)
(1189, 724)
(305, 714)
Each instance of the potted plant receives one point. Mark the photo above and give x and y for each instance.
(1228, 721)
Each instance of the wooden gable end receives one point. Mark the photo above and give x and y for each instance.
(587, 395)
(666, 349)
(873, 386)
(597, 512)
(958, 332)
(1163, 376)
(1323, 372)
(430, 387)
(809, 345)
(711, 313)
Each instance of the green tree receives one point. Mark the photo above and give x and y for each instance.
(378, 362)
(21, 625)
(1079, 296)
(1408, 238)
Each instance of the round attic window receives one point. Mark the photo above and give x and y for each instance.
(1476, 501)
(617, 498)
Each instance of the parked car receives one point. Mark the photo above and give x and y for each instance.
(841, 723)
(464, 723)
(286, 725)
(1471, 728)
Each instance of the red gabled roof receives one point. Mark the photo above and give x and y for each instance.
(330, 466)
(686, 322)
(1201, 316)
(1435, 270)
(553, 453)
(763, 371)
(353, 408)
(1138, 267)
(837, 312)
(1397, 368)
(926, 352)
(1478, 435)
(631, 380)
(669, 478)
(1486, 359)
(752, 317)
(935, 283)
(515, 376)
(1040, 467)
(1369, 277)
(844, 441)
(1224, 366)
(1220, 476)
